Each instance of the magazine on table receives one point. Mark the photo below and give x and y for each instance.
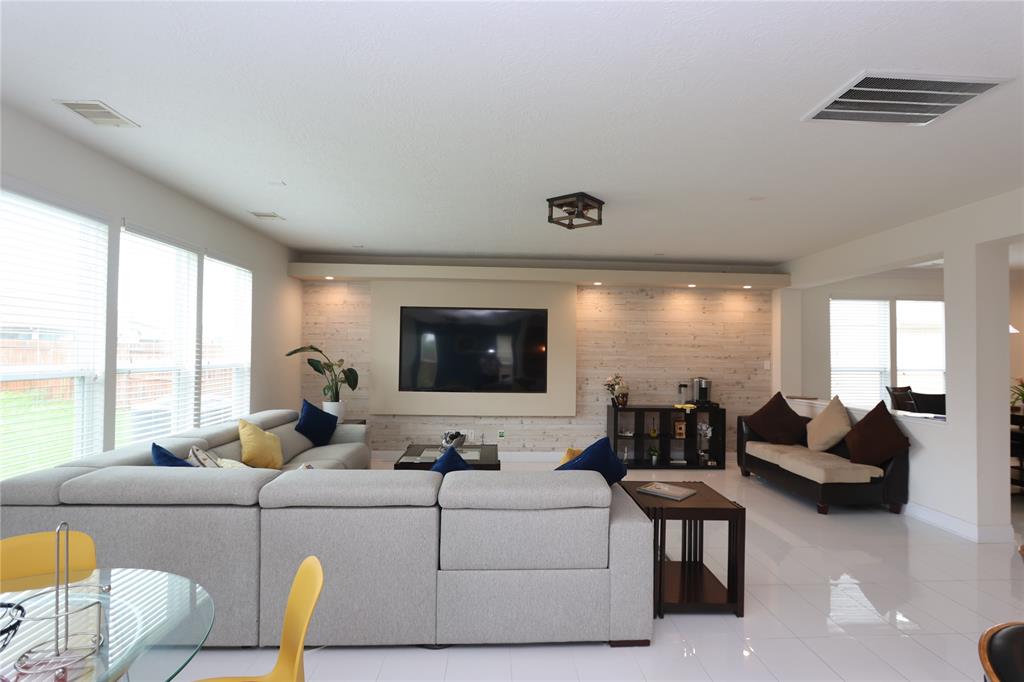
(671, 492)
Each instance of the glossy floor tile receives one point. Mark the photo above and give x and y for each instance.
(859, 594)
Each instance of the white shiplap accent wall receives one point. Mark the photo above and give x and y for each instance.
(654, 337)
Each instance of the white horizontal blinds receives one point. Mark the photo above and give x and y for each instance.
(53, 287)
(921, 345)
(156, 339)
(859, 339)
(226, 346)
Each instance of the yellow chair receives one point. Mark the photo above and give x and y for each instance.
(305, 592)
(29, 561)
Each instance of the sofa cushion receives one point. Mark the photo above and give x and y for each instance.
(771, 452)
(259, 448)
(167, 486)
(216, 435)
(524, 490)
(162, 457)
(823, 467)
(38, 488)
(360, 488)
(139, 454)
(570, 454)
(777, 422)
(450, 461)
(599, 456)
(876, 438)
(340, 455)
(829, 427)
(315, 424)
(524, 539)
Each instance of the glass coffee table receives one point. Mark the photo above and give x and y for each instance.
(124, 622)
(480, 457)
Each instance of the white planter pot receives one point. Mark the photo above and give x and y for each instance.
(335, 408)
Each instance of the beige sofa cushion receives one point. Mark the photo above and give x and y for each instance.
(824, 467)
(829, 427)
(771, 452)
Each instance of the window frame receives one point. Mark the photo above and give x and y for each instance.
(893, 332)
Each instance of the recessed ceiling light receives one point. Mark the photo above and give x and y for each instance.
(597, 284)
(747, 286)
(692, 286)
(329, 277)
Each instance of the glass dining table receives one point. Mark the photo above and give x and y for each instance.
(123, 623)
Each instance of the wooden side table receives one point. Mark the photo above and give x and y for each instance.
(688, 585)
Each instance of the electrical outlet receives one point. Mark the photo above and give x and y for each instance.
(501, 434)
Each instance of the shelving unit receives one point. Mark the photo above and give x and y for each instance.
(645, 436)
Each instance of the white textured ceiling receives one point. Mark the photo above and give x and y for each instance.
(441, 128)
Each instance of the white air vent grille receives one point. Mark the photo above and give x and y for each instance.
(266, 215)
(897, 99)
(99, 113)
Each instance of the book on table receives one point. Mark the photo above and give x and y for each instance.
(671, 492)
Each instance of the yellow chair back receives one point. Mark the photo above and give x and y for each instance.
(302, 599)
(30, 561)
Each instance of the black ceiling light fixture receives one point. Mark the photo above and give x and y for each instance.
(575, 210)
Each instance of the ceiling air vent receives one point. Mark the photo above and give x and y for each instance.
(899, 99)
(266, 215)
(99, 113)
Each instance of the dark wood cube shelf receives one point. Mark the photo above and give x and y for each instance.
(637, 432)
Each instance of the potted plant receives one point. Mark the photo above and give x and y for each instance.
(1017, 394)
(618, 388)
(335, 373)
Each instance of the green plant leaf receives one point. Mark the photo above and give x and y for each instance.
(351, 377)
(304, 349)
(317, 365)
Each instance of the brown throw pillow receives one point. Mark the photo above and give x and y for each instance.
(876, 438)
(777, 423)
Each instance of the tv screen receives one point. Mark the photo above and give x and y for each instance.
(474, 350)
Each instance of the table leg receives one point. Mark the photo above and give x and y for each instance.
(654, 525)
(661, 571)
(737, 550)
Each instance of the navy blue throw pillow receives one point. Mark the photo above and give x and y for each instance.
(162, 457)
(315, 424)
(450, 461)
(598, 457)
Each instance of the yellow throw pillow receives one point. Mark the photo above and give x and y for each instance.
(259, 448)
(570, 454)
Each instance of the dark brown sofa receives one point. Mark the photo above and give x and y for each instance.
(889, 489)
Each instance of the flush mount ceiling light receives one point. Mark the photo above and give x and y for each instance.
(888, 98)
(572, 211)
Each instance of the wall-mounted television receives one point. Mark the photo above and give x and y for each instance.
(473, 350)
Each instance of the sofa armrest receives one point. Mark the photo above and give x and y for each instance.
(166, 486)
(351, 433)
(896, 484)
(631, 568)
(744, 434)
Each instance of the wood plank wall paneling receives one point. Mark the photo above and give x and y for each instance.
(654, 337)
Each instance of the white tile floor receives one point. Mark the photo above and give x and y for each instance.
(860, 594)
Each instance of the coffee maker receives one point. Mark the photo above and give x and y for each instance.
(700, 388)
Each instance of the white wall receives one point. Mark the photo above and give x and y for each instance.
(815, 338)
(961, 482)
(47, 165)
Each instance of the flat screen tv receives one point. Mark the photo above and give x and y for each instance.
(474, 350)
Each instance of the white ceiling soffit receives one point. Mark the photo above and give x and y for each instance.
(438, 129)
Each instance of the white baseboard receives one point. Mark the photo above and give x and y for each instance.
(970, 531)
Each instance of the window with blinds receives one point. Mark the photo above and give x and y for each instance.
(226, 346)
(921, 345)
(859, 340)
(156, 339)
(53, 292)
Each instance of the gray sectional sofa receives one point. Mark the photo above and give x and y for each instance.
(409, 557)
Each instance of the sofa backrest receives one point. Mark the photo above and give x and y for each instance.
(494, 520)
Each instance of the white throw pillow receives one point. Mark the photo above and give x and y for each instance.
(829, 427)
(226, 463)
(198, 457)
